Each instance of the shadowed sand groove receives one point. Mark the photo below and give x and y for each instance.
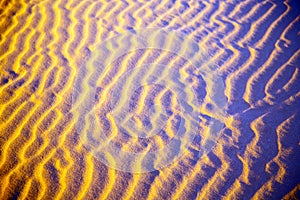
(253, 46)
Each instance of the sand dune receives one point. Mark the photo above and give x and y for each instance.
(247, 82)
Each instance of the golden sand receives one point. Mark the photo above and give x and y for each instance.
(256, 52)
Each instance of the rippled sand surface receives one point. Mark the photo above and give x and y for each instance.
(47, 54)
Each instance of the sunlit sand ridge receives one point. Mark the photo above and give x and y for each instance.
(253, 46)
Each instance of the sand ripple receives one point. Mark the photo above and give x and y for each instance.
(253, 46)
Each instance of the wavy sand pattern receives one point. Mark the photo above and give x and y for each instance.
(254, 47)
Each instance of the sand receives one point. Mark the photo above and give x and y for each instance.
(246, 83)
